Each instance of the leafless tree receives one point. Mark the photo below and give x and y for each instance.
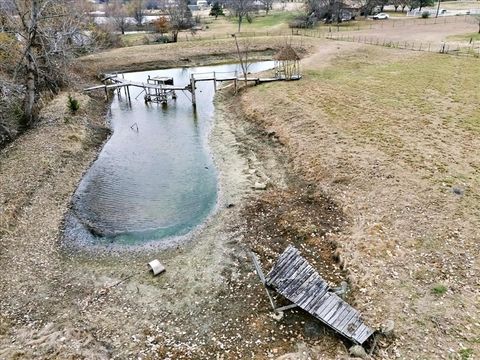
(118, 13)
(267, 5)
(47, 32)
(137, 11)
(243, 52)
(367, 6)
(241, 9)
(180, 17)
(325, 9)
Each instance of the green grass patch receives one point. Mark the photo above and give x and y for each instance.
(133, 39)
(266, 22)
(466, 354)
(465, 37)
(439, 289)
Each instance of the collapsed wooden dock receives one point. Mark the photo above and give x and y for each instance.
(296, 280)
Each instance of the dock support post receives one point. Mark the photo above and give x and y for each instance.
(128, 94)
(106, 93)
(235, 85)
(214, 82)
(192, 85)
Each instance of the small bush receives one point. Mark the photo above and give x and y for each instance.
(425, 15)
(162, 39)
(439, 289)
(466, 354)
(73, 104)
(303, 22)
(161, 25)
(105, 37)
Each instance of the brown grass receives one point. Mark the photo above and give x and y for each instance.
(185, 53)
(395, 143)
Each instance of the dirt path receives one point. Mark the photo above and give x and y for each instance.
(430, 33)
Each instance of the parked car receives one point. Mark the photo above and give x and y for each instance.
(381, 16)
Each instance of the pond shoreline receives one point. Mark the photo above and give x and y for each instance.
(56, 308)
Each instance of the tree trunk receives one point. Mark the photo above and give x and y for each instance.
(31, 76)
(175, 36)
(29, 100)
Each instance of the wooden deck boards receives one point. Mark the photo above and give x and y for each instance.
(294, 278)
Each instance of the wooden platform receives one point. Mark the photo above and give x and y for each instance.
(160, 89)
(294, 278)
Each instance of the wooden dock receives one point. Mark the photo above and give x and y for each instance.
(296, 280)
(160, 90)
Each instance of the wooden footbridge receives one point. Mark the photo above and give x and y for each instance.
(160, 89)
(296, 280)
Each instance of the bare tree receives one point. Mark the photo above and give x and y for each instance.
(241, 9)
(367, 6)
(396, 4)
(243, 52)
(325, 9)
(118, 13)
(47, 32)
(180, 17)
(267, 5)
(137, 11)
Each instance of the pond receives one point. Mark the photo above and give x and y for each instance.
(155, 177)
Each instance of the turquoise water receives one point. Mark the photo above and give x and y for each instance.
(157, 182)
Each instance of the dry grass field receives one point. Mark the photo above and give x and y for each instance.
(393, 138)
(373, 170)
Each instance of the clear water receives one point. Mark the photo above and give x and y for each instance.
(157, 182)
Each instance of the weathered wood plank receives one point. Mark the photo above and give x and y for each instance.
(285, 283)
(297, 279)
(282, 264)
(304, 288)
(342, 323)
(363, 333)
(326, 306)
(335, 312)
(315, 299)
(284, 276)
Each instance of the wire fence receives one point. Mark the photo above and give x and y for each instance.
(348, 33)
(473, 48)
(336, 28)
